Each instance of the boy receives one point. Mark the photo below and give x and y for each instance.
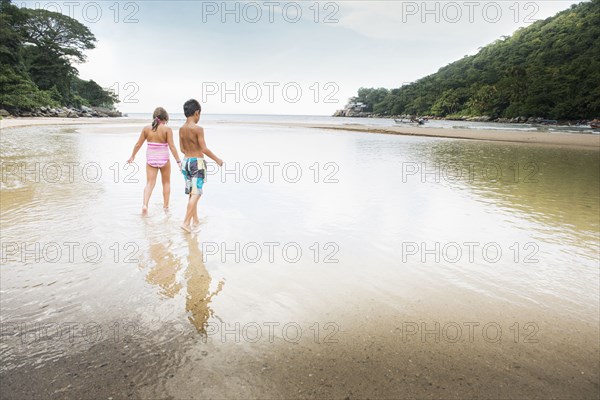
(193, 146)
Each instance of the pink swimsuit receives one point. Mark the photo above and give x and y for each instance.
(157, 155)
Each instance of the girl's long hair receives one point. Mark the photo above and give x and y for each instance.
(160, 114)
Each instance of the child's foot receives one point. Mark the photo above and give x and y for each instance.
(186, 228)
(145, 210)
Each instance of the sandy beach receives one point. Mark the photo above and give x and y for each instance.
(536, 138)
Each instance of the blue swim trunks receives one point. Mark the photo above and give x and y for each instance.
(194, 172)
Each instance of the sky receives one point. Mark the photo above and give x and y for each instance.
(280, 57)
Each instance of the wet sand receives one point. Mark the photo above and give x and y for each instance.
(574, 140)
(369, 357)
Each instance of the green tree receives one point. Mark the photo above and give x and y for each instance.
(11, 39)
(94, 94)
(62, 35)
(53, 43)
(17, 91)
(38, 51)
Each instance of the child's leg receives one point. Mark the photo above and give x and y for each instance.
(195, 218)
(151, 174)
(165, 174)
(192, 204)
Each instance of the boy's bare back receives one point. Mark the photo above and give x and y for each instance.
(191, 140)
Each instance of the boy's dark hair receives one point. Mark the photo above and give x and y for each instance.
(190, 107)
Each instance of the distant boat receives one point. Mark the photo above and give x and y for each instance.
(419, 121)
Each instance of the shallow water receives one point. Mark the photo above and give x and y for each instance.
(304, 227)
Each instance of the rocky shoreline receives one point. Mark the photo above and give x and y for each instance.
(63, 112)
(483, 118)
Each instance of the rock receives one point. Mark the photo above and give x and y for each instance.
(86, 109)
(4, 113)
(61, 114)
(114, 113)
(106, 112)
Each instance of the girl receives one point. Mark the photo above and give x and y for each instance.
(160, 141)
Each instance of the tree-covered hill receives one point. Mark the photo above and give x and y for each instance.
(550, 69)
(38, 53)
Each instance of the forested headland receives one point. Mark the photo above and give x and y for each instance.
(39, 51)
(549, 70)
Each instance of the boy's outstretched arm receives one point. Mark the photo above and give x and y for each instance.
(205, 149)
(137, 146)
(172, 145)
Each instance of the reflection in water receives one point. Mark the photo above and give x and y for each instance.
(198, 287)
(165, 266)
(164, 271)
(539, 205)
(559, 188)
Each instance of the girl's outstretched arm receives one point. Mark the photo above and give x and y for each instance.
(138, 145)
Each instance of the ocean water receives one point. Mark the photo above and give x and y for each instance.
(178, 118)
(318, 252)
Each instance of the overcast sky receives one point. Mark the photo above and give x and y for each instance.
(280, 57)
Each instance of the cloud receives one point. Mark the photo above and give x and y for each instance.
(175, 47)
(442, 21)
